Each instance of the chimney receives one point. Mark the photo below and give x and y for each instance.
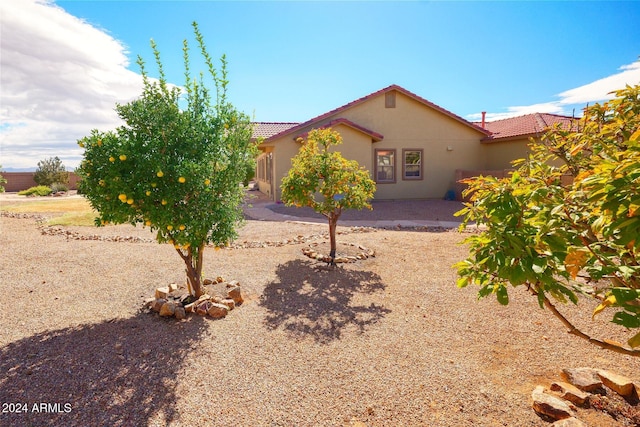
(484, 115)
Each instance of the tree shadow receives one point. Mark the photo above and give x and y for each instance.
(117, 373)
(319, 301)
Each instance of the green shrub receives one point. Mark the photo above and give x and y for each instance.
(40, 190)
(57, 187)
(2, 181)
(50, 171)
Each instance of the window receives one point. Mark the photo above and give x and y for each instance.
(385, 166)
(264, 167)
(411, 164)
(390, 100)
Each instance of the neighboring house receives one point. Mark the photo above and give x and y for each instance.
(412, 147)
(509, 138)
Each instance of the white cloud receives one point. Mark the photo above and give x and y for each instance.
(575, 99)
(61, 77)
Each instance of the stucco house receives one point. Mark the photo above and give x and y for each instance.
(413, 148)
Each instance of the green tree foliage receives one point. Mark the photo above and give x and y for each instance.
(51, 171)
(567, 221)
(176, 165)
(3, 180)
(326, 181)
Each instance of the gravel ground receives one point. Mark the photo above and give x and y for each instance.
(386, 341)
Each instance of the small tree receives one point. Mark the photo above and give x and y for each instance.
(176, 170)
(326, 181)
(3, 180)
(51, 171)
(567, 221)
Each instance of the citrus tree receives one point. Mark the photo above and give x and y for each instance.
(567, 221)
(326, 181)
(176, 165)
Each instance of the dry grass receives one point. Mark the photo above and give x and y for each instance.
(47, 205)
(64, 211)
(386, 341)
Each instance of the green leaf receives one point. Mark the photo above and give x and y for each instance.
(623, 295)
(626, 319)
(502, 295)
(462, 282)
(634, 341)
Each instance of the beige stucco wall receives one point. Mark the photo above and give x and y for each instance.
(500, 154)
(447, 145)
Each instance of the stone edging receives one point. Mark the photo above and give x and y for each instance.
(584, 387)
(364, 253)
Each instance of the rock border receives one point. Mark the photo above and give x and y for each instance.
(365, 253)
(174, 301)
(584, 387)
(52, 230)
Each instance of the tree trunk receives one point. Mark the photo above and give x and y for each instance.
(193, 261)
(333, 222)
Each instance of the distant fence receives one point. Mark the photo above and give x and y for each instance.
(18, 181)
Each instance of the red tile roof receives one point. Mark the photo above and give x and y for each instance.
(358, 101)
(527, 125)
(268, 129)
(374, 135)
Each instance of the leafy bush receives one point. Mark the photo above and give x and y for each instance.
(250, 173)
(57, 187)
(40, 190)
(51, 171)
(2, 181)
(562, 239)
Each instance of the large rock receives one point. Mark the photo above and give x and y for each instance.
(233, 292)
(202, 307)
(231, 304)
(550, 406)
(568, 422)
(157, 304)
(217, 311)
(586, 379)
(621, 385)
(162, 293)
(168, 309)
(570, 392)
(180, 313)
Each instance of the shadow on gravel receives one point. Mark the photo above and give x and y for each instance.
(307, 299)
(117, 373)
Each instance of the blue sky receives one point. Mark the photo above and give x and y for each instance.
(66, 63)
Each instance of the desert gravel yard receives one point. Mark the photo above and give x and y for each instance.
(388, 341)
